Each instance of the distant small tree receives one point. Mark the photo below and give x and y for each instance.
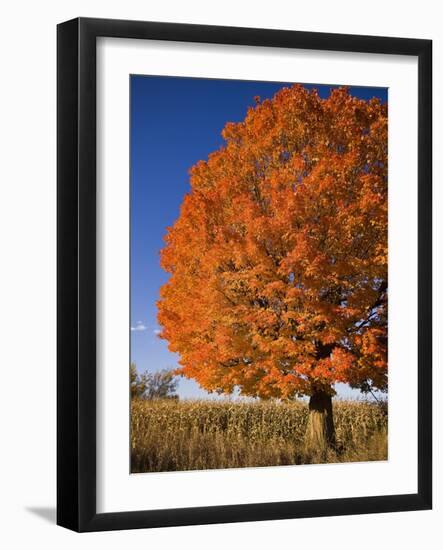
(137, 383)
(161, 385)
(153, 385)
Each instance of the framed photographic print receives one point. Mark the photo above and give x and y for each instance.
(244, 274)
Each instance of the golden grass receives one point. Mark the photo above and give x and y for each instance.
(169, 435)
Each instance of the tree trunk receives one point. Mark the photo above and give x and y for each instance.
(320, 432)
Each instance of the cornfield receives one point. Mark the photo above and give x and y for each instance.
(169, 435)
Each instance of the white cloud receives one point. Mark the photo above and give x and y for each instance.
(139, 327)
(157, 331)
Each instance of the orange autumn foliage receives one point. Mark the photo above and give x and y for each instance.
(278, 260)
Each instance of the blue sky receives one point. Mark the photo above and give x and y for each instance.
(174, 123)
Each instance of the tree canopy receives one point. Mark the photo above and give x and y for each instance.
(278, 260)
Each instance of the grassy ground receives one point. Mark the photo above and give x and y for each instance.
(169, 435)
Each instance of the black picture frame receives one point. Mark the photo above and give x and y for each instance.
(76, 280)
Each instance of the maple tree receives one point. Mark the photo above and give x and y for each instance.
(278, 260)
